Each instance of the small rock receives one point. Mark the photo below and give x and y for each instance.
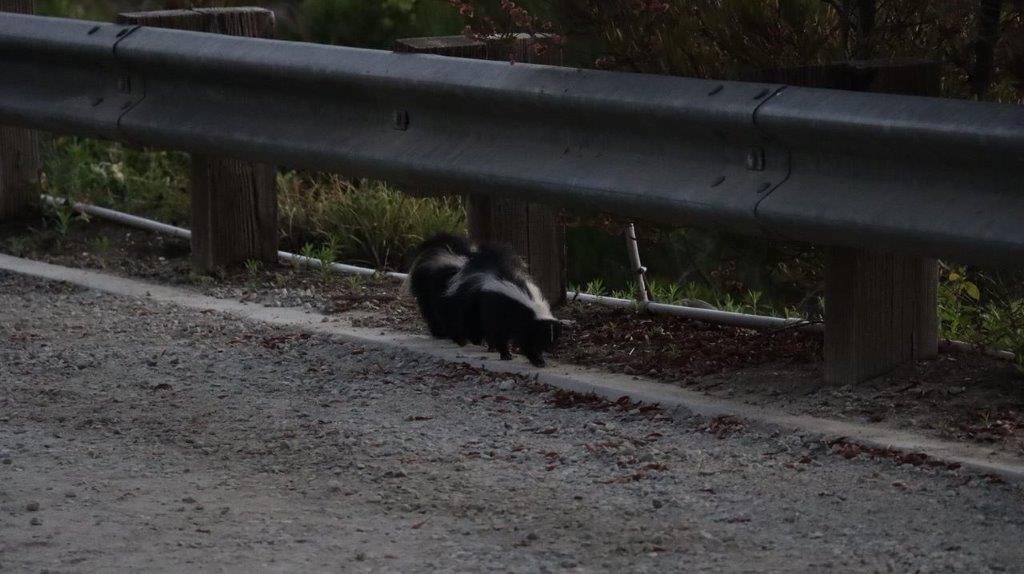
(32, 506)
(505, 385)
(657, 503)
(333, 486)
(188, 500)
(35, 521)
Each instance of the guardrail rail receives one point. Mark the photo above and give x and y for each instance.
(919, 176)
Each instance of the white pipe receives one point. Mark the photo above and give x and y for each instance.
(698, 314)
(339, 267)
(708, 315)
(123, 218)
(962, 347)
(639, 270)
(183, 233)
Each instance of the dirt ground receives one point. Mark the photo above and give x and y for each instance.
(140, 437)
(964, 397)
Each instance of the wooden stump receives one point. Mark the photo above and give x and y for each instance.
(881, 309)
(234, 203)
(532, 229)
(20, 163)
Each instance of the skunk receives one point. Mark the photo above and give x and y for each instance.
(437, 261)
(485, 294)
(492, 298)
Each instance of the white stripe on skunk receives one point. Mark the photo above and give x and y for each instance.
(531, 298)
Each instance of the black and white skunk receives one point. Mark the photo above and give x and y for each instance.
(438, 260)
(489, 298)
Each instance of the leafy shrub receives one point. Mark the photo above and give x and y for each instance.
(367, 222)
(731, 38)
(980, 309)
(111, 175)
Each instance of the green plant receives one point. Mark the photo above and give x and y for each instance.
(668, 292)
(355, 283)
(981, 309)
(959, 299)
(623, 294)
(253, 267)
(253, 272)
(21, 246)
(309, 251)
(101, 245)
(753, 301)
(147, 183)
(326, 256)
(1003, 326)
(374, 224)
(727, 303)
(363, 222)
(595, 288)
(62, 216)
(279, 280)
(200, 279)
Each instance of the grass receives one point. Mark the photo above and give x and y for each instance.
(362, 222)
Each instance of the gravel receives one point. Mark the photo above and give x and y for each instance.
(959, 397)
(195, 441)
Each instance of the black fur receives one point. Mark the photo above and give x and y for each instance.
(430, 276)
(456, 304)
(483, 315)
(504, 320)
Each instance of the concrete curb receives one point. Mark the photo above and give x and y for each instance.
(568, 377)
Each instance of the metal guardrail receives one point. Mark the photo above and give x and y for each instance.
(919, 175)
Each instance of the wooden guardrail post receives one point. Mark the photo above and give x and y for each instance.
(881, 309)
(532, 229)
(20, 162)
(234, 203)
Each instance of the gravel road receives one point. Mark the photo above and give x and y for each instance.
(138, 437)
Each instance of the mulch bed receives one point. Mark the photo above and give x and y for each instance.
(665, 347)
